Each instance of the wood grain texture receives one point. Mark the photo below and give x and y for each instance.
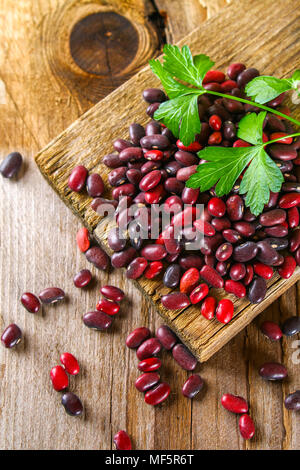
(90, 138)
(37, 249)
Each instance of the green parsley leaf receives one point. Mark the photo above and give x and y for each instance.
(171, 86)
(181, 116)
(261, 177)
(296, 75)
(251, 128)
(203, 64)
(263, 89)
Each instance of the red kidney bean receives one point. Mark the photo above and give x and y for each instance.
(98, 203)
(70, 363)
(136, 268)
(221, 224)
(199, 293)
(276, 231)
(154, 155)
(291, 326)
(150, 180)
(289, 200)
(83, 239)
(215, 122)
(232, 236)
(155, 195)
(216, 207)
(97, 257)
(184, 357)
(215, 138)
(122, 441)
(155, 141)
(108, 306)
(224, 252)
(235, 207)
(237, 271)
(282, 152)
(59, 378)
(158, 394)
(186, 217)
(273, 371)
(204, 227)
(287, 268)
(190, 261)
(150, 166)
(150, 347)
(224, 311)
(184, 173)
(173, 185)
(131, 154)
(193, 147)
(235, 69)
(246, 426)
(146, 381)
(154, 95)
(112, 160)
(154, 252)
(263, 270)
(228, 86)
(175, 301)
(244, 228)
(166, 337)
(30, 302)
(208, 307)
(77, 178)
(72, 404)
(236, 288)
(192, 386)
(137, 337)
(234, 403)
(51, 295)
(97, 320)
(245, 252)
(271, 330)
(118, 176)
(11, 336)
(11, 165)
(172, 276)
(222, 267)
(246, 76)
(293, 217)
(233, 106)
(150, 364)
(283, 140)
(249, 275)
(189, 280)
(214, 76)
(189, 195)
(95, 185)
(173, 204)
(211, 276)
(127, 189)
(292, 401)
(112, 293)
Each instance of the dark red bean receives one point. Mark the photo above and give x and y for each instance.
(118, 176)
(232, 236)
(277, 243)
(121, 144)
(224, 252)
(131, 154)
(122, 441)
(159, 141)
(136, 132)
(293, 217)
(190, 261)
(166, 337)
(112, 160)
(245, 252)
(102, 205)
(152, 128)
(11, 336)
(246, 76)
(234, 403)
(97, 320)
(175, 301)
(72, 404)
(146, 381)
(244, 228)
(77, 178)
(192, 386)
(224, 311)
(291, 326)
(273, 371)
(30, 302)
(184, 174)
(292, 401)
(150, 364)
(59, 378)
(221, 224)
(236, 288)
(137, 337)
(257, 290)
(108, 306)
(115, 241)
(235, 69)
(95, 185)
(235, 207)
(11, 165)
(282, 152)
(123, 258)
(51, 295)
(263, 270)
(246, 426)
(152, 108)
(136, 268)
(154, 95)
(150, 347)
(189, 195)
(172, 168)
(276, 231)
(233, 106)
(211, 276)
(127, 189)
(97, 257)
(184, 357)
(266, 254)
(173, 185)
(70, 363)
(222, 266)
(186, 158)
(271, 330)
(158, 394)
(204, 227)
(172, 276)
(286, 270)
(237, 271)
(249, 275)
(112, 293)
(208, 307)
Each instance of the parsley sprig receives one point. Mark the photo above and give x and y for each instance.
(182, 75)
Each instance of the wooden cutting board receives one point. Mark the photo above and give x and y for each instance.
(261, 34)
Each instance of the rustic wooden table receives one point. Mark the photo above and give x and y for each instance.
(43, 88)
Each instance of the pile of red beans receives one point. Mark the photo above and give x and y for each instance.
(239, 252)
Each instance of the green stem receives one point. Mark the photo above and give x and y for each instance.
(252, 103)
(279, 138)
